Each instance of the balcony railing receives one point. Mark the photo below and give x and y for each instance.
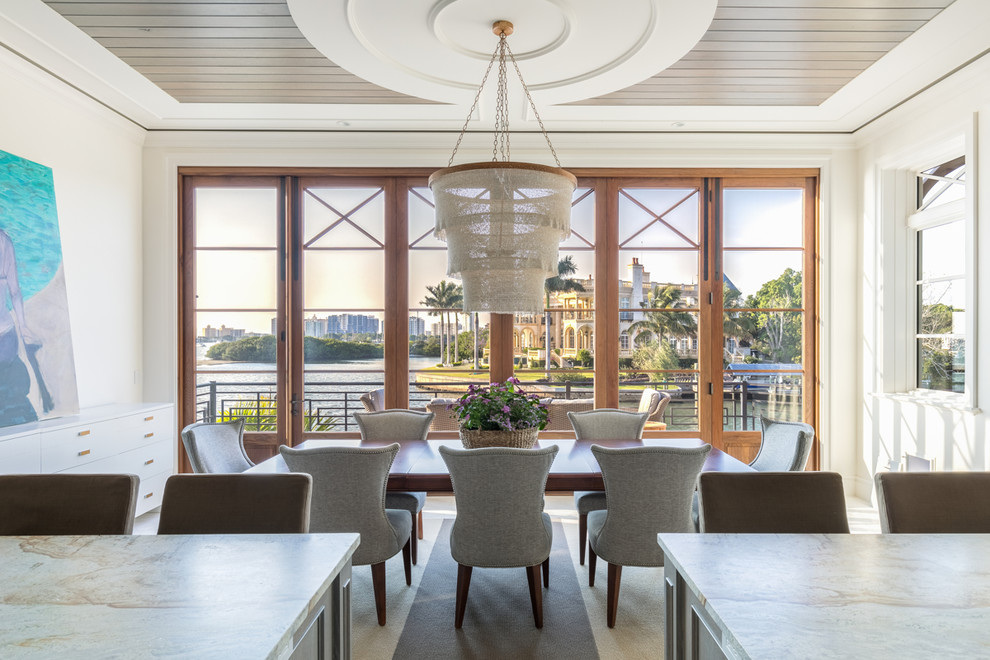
(329, 406)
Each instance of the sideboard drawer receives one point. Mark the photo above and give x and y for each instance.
(147, 428)
(21, 455)
(150, 492)
(77, 445)
(144, 462)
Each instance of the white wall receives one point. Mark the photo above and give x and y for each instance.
(166, 151)
(95, 156)
(893, 423)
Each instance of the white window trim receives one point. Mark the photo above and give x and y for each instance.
(902, 224)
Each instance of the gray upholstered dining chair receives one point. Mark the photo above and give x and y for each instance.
(399, 426)
(236, 504)
(601, 424)
(653, 402)
(349, 496)
(773, 503)
(934, 502)
(784, 446)
(216, 447)
(67, 504)
(500, 521)
(649, 490)
(374, 400)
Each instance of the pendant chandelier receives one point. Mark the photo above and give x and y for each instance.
(502, 221)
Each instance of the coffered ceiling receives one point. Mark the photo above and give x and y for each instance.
(625, 65)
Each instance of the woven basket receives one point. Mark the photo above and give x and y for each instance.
(524, 439)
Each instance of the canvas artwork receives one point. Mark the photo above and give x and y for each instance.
(37, 370)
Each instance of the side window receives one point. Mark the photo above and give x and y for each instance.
(941, 279)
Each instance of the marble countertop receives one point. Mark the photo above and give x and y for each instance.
(844, 596)
(222, 596)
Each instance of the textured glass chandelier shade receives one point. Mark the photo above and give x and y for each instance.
(502, 222)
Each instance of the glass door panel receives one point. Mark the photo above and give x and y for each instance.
(660, 321)
(448, 350)
(554, 352)
(236, 283)
(342, 303)
(764, 312)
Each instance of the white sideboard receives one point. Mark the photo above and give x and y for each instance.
(135, 438)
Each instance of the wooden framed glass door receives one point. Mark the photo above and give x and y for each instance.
(765, 242)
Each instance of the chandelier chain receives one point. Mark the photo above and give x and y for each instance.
(532, 105)
(501, 138)
(500, 146)
(474, 105)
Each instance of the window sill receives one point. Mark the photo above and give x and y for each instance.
(932, 400)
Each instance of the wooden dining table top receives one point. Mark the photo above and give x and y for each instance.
(419, 467)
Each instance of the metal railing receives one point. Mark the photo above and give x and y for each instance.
(329, 406)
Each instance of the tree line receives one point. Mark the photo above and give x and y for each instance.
(315, 349)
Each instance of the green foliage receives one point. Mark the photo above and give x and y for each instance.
(247, 349)
(571, 377)
(501, 407)
(659, 355)
(335, 350)
(260, 415)
(262, 349)
(625, 363)
(444, 298)
(936, 319)
(778, 334)
(668, 323)
(936, 369)
(585, 358)
(428, 347)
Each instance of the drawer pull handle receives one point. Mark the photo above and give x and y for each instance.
(148, 435)
(149, 461)
(148, 495)
(148, 419)
(82, 433)
(84, 452)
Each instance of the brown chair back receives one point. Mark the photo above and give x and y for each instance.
(67, 504)
(236, 504)
(773, 503)
(934, 502)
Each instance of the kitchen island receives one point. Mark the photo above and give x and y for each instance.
(769, 596)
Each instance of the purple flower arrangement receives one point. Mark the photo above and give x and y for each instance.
(500, 407)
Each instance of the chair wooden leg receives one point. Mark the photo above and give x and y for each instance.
(463, 584)
(546, 573)
(406, 557)
(417, 533)
(378, 581)
(582, 534)
(592, 565)
(419, 527)
(614, 577)
(535, 593)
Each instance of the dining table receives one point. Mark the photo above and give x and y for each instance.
(419, 466)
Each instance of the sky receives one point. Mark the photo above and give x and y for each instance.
(353, 279)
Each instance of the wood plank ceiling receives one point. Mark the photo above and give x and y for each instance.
(221, 51)
(780, 52)
(756, 52)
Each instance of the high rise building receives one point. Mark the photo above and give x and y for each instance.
(417, 326)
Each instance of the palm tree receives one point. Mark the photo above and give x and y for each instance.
(444, 296)
(559, 283)
(740, 326)
(667, 322)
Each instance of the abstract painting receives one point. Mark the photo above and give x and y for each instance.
(37, 370)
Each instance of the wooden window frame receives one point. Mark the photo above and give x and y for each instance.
(606, 183)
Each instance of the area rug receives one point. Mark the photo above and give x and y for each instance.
(498, 622)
